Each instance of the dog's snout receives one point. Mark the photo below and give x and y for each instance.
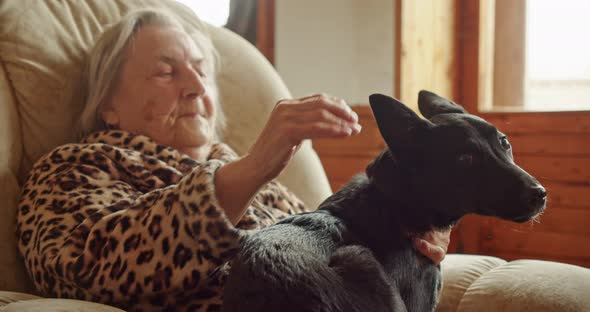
(537, 196)
(532, 202)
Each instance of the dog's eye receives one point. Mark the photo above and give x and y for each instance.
(504, 142)
(465, 160)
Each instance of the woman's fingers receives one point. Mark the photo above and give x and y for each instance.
(318, 130)
(295, 120)
(334, 105)
(433, 252)
(322, 117)
(434, 244)
(317, 116)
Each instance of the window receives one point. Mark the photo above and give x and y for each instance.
(215, 12)
(557, 55)
(239, 16)
(540, 55)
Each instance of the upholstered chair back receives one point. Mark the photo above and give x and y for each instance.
(43, 48)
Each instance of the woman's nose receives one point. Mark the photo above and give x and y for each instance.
(194, 84)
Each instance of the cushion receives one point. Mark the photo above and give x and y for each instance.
(7, 297)
(459, 273)
(51, 305)
(12, 274)
(530, 285)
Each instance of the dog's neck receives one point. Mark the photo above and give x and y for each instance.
(382, 208)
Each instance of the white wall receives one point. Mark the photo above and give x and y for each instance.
(341, 47)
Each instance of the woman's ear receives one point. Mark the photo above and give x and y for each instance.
(110, 117)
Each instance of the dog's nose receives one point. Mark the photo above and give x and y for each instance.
(537, 196)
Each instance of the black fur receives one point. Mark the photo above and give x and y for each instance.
(355, 252)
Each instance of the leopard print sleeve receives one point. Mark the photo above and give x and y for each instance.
(109, 224)
(277, 196)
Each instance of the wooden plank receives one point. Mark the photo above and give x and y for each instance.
(364, 111)
(265, 28)
(501, 239)
(567, 195)
(454, 246)
(547, 122)
(368, 143)
(509, 56)
(426, 41)
(583, 262)
(486, 54)
(552, 220)
(556, 169)
(397, 45)
(360, 145)
(470, 54)
(338, 184)
(551, 144)
(564, 220)
(467, 235)
(343, 168)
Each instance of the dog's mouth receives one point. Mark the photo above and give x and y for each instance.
(526, 207)
(515, 215)
(522, 219)
(529, 216)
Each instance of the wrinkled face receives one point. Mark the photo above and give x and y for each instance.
(165, 90)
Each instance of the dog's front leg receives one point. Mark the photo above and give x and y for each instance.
(365, 280)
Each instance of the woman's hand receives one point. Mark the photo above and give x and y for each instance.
(292, 121)
(434, 244)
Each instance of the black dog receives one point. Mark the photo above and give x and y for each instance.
(355, 252)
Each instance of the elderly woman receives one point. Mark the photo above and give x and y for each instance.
(146, 211)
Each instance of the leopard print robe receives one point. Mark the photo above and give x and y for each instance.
(121, 220)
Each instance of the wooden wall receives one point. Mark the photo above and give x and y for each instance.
(425, 48)
(265, 28)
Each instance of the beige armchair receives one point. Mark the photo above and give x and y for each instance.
(42, 48)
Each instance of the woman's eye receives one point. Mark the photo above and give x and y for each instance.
(200, 72)
(504, 142)
(465, 160)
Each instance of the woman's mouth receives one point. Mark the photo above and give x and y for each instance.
(198, 111)
(191, 115)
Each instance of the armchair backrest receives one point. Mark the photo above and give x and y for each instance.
(43, 46)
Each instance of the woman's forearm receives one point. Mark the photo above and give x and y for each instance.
(236, 184)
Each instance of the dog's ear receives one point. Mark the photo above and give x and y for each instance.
(380, 172)
(397, 123)
(431, 104)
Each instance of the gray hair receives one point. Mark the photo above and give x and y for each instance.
(107, 58)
